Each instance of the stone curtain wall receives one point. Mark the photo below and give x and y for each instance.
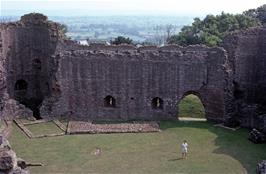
(134, 77)
(2, 76)
(246, 52)
(57, 77)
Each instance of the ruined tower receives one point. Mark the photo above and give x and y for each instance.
(26, 60)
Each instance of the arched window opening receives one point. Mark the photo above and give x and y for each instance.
(37, 64)
(190, 106)
(157, 103)
(21, 85)
(109, 101)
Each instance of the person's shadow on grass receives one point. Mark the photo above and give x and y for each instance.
(175, 159)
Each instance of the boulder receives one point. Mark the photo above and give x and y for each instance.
(257, 137)
(9, 163)
(4, 144)
(7, 160)
(18, 170)
(21, 163)
(261, 167)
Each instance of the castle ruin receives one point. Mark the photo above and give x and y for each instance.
(47, 76)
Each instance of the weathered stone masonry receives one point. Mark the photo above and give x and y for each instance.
(44, 75)
(53, 77)
(247, 57)
(26, 62)
(134, 78)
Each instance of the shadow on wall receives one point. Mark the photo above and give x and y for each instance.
(21, 95)
(232, 143)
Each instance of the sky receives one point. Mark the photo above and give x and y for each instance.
(126, 7)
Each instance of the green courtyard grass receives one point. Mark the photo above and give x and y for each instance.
(191, 106)
(44, 128)
(24, 120)
(212, 150)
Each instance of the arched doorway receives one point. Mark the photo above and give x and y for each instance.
(190, 107)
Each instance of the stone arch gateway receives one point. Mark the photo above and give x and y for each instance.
(186, 101)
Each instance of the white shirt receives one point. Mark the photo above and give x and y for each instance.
(184, 147)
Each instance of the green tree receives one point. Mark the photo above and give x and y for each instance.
(122, 40)
(259, 13)
(212, 29)
(63, 28)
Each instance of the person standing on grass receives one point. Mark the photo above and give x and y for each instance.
(184, 149)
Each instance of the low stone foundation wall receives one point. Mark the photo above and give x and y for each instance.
(78, 127)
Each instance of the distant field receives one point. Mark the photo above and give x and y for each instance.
(138, 28)
(191, 106)
(212, 151)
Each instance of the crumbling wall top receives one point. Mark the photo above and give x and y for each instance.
(68, 45)
(34, 21)
(33, 18)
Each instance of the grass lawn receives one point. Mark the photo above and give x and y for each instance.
(191, 106)
(44, 128)
(212, 150)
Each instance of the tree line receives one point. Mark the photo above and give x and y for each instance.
(212, 29)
